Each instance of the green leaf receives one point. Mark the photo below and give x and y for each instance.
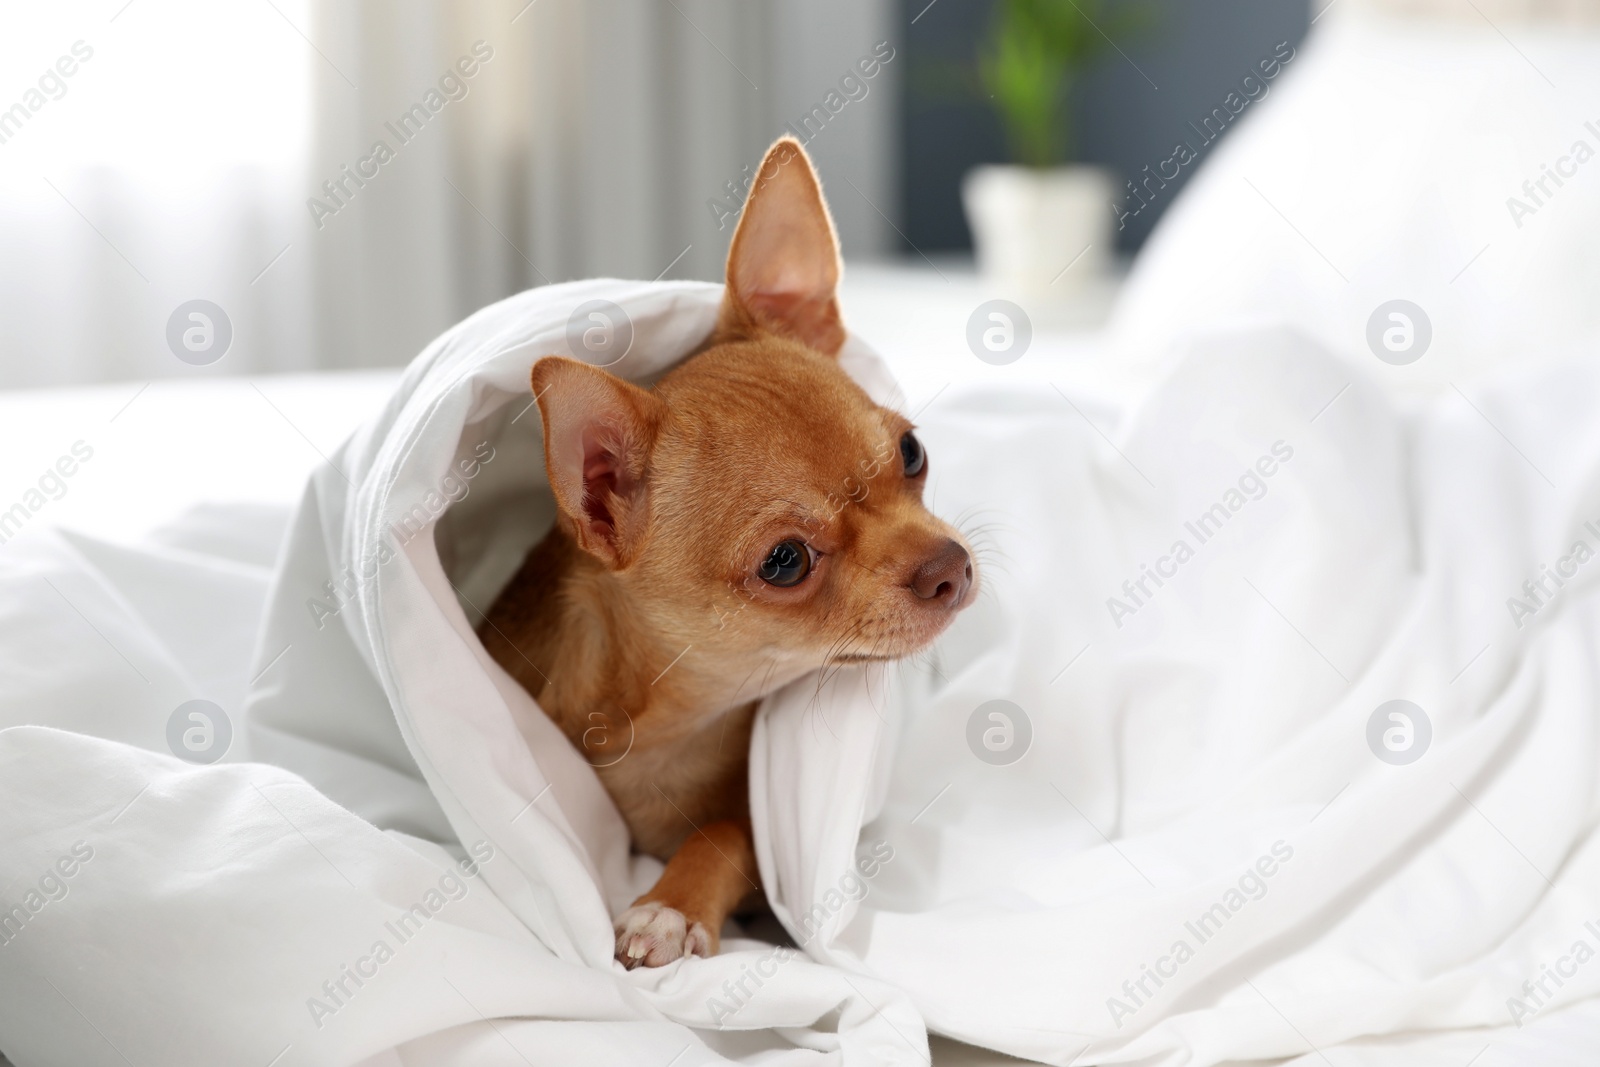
(1035, 52)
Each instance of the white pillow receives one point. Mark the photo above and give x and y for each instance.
(1387, 162)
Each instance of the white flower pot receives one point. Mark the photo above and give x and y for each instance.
(1031, 225)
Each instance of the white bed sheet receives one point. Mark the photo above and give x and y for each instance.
(232, 447)
(189, 484)
(159, 471)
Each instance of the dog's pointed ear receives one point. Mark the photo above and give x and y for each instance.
(598, 434)
(783, 265)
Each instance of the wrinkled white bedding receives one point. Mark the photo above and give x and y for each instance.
(278, 916)
(1211, 750)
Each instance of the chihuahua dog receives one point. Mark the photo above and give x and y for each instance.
(751, 519)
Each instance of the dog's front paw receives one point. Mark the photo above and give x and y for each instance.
(652, 934)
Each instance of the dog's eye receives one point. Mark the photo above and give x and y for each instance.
(787, 564)
(912, 455)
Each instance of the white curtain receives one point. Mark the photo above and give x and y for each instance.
(542, 141)
(150, 156)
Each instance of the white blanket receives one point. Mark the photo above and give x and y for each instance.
(273, 920)
(427, 874)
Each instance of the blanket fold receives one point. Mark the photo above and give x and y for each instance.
(1273, 730)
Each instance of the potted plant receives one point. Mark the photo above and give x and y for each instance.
(1033, 217)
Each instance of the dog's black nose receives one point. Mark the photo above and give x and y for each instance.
(945, 577)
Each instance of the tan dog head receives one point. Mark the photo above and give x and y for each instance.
(756, 504)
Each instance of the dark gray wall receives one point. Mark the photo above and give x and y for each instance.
(1197, 52)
